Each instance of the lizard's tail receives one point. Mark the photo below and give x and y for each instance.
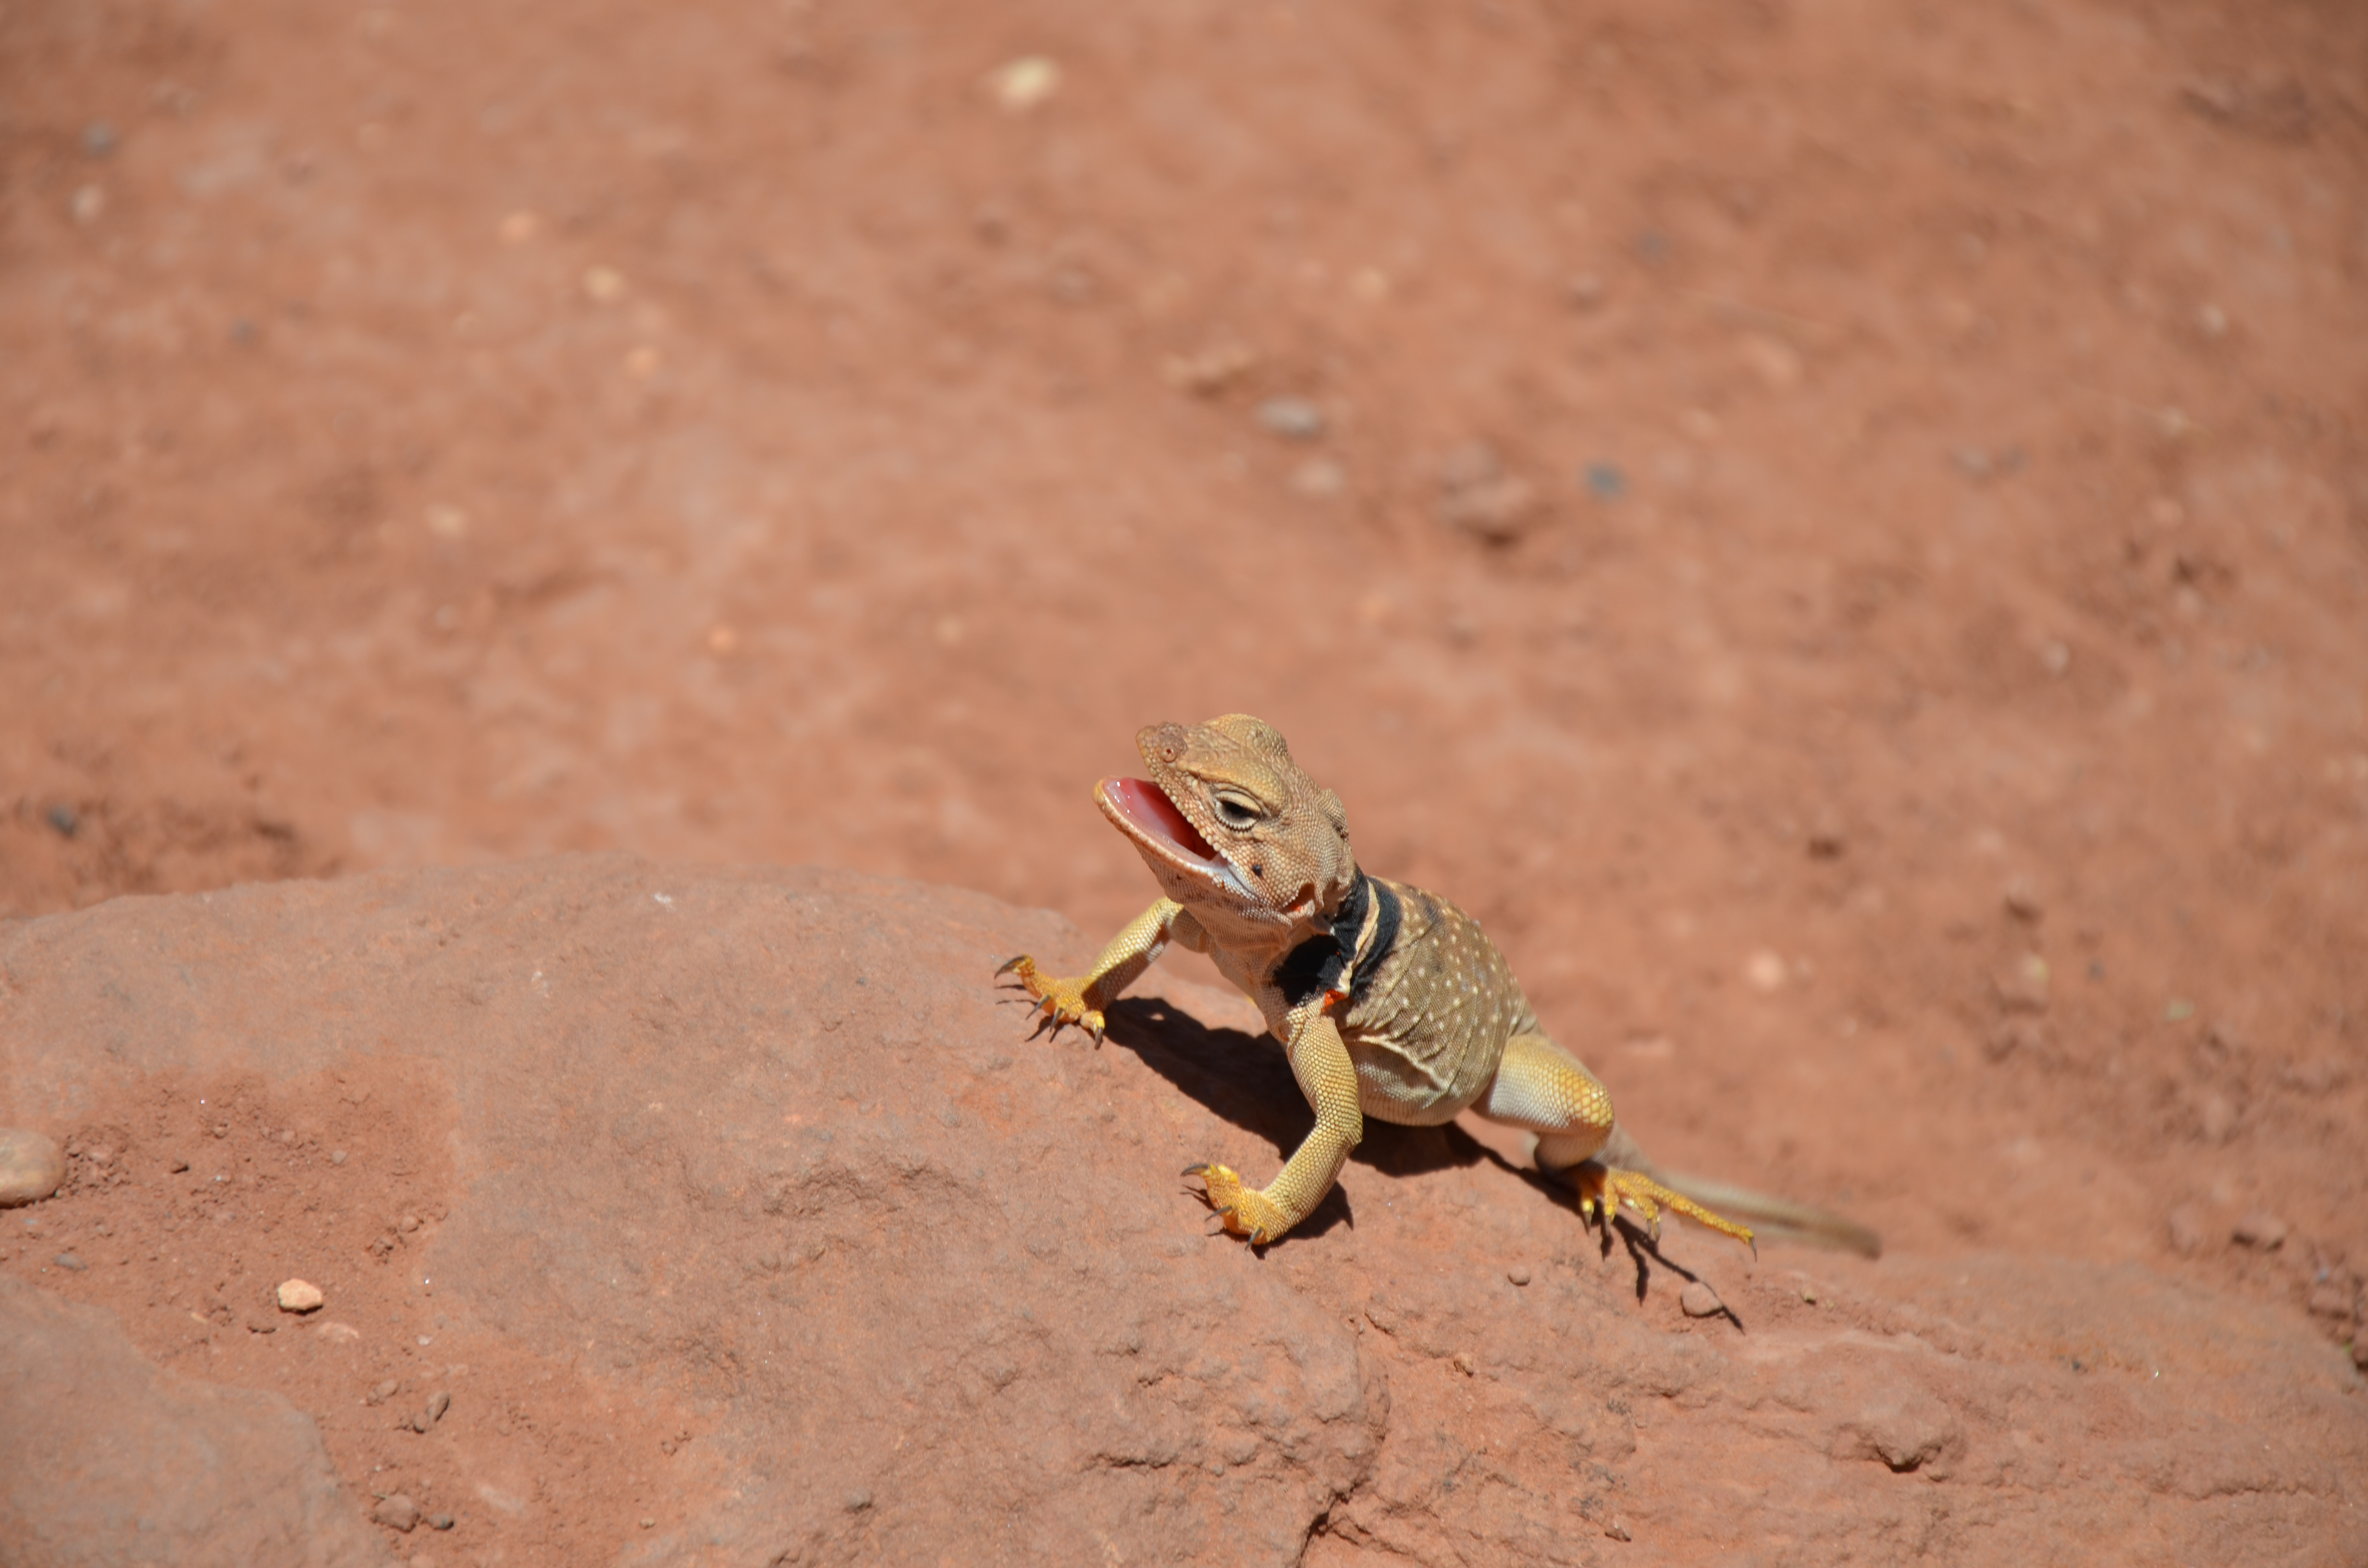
(1776, 1219)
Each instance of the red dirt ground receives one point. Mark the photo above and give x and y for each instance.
(1839, 530)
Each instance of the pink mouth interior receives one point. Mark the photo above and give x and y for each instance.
(1143, 803)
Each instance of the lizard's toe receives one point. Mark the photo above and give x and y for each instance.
(1606, 1190)
(1246, 1211)
(1061, 1002)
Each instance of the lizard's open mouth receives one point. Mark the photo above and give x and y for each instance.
(1144, 814)
(1144, 811)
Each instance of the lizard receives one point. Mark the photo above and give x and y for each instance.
(1389, 1000)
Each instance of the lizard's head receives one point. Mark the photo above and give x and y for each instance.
(1231, 828)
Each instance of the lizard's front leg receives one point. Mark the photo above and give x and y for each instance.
(1319, 1060)
(1080, 1001)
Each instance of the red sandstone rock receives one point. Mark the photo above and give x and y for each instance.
(742, 1206)
(106, 1459)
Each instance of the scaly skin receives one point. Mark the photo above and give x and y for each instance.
(1389, 1000)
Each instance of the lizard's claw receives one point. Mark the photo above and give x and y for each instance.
(1602, 1189)
(1244, 1209)
(1059, 1001)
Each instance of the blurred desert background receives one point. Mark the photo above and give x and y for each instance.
(1836, 528)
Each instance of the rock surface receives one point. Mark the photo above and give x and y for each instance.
(733, 1201)
(105, 1459)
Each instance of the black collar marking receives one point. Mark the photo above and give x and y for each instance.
(1324, 963)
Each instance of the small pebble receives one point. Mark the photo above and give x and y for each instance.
(2260, 1229)
(98, 138)
(1319, 478)
(2185, 1226)
(439, 1522)
(300, 1296)
(1021, 84)
(1292, 419)
(858, 1501)
(397, 1512)
(30, 1167)
(336, 1157)
(2010, 1035)
(71, 1262)
(1700, 1301)
(438, 1403)
(2359, 1352)
(384, 1391)
(63, 821)
(1519, 1273)
(648, 1523)
(2023, 987)
(1465, 1362)
(1617, 1531)
(1478, 495)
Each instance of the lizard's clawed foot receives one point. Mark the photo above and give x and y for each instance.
(1059, 1001)
(1602, 1189)
(1246, 1211)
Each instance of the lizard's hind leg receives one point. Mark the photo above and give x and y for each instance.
(1541, 1087)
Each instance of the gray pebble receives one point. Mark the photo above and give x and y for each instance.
(98, 138)
(1292, 419)
(1605, 482)
(440, 1521)
(31, 1166)
(71, 1262)
(1700, 1301)
(63, 820)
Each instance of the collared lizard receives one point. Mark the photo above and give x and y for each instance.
(1388, 1000)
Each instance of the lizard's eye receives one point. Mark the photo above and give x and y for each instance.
(1235, 813)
